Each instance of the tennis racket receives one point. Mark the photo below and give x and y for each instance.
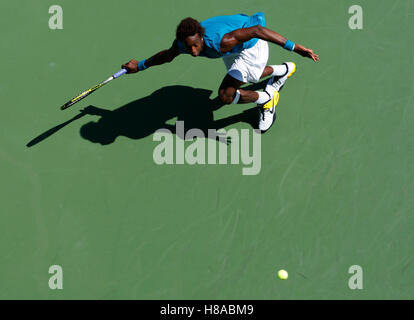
(94, 88)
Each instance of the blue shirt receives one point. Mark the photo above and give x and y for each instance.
(217, 27)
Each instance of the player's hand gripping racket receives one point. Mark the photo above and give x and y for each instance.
(94, 88)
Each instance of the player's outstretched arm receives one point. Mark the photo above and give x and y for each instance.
(239, 36)
(161, 57)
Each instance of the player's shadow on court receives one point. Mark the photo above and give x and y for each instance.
(142, 117)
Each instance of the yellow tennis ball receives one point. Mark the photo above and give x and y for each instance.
(282, 274)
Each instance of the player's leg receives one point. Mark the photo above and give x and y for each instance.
(250, 66)
(240, 71)
(230, 92)
(229, 86)
(267, 71)
(274, 70)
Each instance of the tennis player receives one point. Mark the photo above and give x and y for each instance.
(242, 42)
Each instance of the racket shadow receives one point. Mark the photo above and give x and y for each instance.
(53, 130)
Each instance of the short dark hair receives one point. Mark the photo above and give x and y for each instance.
(189, 27)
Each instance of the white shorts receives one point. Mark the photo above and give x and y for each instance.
(248, 65)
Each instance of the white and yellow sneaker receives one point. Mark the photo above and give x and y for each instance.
(277, 82)
(274, 85)
(268, 113)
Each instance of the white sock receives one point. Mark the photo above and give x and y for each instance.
(279, 70)
(263, 97)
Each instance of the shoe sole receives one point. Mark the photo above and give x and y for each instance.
(293, 70)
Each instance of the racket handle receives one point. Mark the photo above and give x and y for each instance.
(119, 73)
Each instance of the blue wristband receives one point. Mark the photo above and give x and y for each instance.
(141, 65)
(289, 45)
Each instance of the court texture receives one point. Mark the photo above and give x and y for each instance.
(80, 189)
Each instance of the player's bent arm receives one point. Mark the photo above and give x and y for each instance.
(239, 36)
(159, 58)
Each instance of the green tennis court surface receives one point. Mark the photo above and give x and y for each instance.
(336, 182)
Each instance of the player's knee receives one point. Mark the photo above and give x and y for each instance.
(225, 97)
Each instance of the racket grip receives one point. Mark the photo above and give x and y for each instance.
(119, 73)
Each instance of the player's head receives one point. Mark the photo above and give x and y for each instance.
(190, 33)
